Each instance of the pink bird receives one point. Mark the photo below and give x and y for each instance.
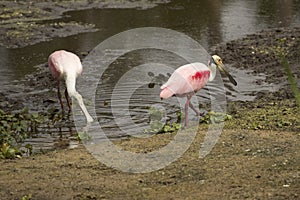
(190, 78)
(67, 66)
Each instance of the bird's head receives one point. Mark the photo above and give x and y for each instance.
(218, 62)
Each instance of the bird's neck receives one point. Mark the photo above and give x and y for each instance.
(213, 70)
(70, 83)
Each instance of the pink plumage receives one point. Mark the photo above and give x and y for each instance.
(189, 79)
(67, 66)
(62, 62)
(186, 79)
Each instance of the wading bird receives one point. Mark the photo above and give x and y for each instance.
(67, 66)
(190, 78)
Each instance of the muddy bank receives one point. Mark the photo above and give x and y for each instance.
(260, 52)
(25, 23)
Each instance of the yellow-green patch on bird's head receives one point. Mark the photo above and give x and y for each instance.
(219, 63)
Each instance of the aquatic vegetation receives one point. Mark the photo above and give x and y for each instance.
(258, 115)
(83, 136)
(264, 114)
(8, 152)
(215, 117)
(282, 49)
(171, 127)
(282, 53)
(291, 80)
(158, 126)
(27, 197)
(14, 129)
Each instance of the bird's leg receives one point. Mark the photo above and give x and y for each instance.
(195, 110)
(187, 104)
(68, 101)
(59, 96)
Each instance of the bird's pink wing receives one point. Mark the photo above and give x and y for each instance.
(54, 66)
(62, 62)
(186, 79)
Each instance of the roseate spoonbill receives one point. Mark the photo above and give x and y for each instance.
(67, 66)
(190, 78)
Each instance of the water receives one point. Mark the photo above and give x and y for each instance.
(124, 100)
(208, 22)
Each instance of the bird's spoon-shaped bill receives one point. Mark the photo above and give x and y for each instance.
(222, 69)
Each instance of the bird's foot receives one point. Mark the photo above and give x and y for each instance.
(201, 114)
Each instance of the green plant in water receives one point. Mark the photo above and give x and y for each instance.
(156, 116)
(27, 197)
(171, 127)
(83, 136)
(174, 126)
(291, 79)
(282, 49)
(215, 117)
(293, 84)
(157, 126)
(14, 129)
(8, 152)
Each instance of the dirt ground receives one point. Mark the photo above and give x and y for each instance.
(256, 157)
(243, 165)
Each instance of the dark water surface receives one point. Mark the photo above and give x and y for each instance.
(208, 22)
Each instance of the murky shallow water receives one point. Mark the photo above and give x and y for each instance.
(123, 101)
(208, 22)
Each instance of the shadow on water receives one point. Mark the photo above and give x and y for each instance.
(58, 136)
(208, 22)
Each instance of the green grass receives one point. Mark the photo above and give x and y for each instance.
(291, 80)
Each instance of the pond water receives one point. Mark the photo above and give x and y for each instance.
(207, 22)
